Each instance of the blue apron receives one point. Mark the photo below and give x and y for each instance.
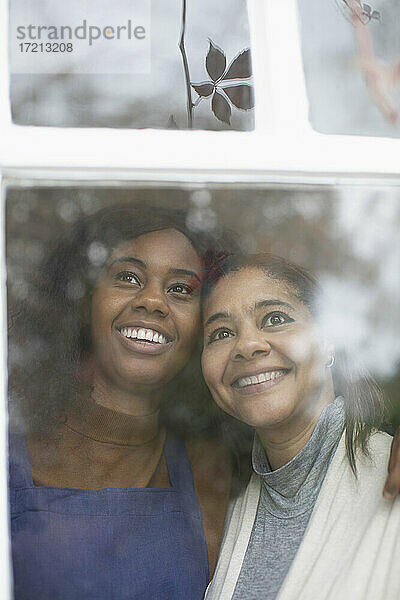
(110, 544)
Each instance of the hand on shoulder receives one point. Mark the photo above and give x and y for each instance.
(392, 485)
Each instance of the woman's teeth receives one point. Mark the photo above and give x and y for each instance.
(149, 335)
(260, 378)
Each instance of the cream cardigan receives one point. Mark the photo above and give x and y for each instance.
(351, 547)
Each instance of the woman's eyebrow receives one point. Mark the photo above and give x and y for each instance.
(185, 272)
(272, 302)
(129, 259)
(260, 304)
(216, 317)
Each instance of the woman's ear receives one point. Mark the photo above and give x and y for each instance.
(329, 353)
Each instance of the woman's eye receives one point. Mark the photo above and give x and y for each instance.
(181, 288)
(219, 334)
(128, 277)
(276, 318)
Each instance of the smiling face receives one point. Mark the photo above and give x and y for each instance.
(145, 310)
(263, 357)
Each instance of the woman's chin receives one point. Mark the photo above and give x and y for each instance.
(260, 412)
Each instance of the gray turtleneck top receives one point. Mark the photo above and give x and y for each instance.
(286, 502)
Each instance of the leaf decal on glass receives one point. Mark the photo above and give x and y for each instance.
(215, 62)
(224, 92)
(240, 67)
(221, 108)
(203, 89)
(241, 96)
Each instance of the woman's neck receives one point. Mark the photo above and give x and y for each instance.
(115, 416)
(138, 403)
(282, 442)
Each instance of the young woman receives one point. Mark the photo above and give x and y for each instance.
(103, 502)
(312, 522)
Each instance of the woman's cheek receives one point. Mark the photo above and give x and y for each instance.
(213, 364)
(299, 348)
(207, 367)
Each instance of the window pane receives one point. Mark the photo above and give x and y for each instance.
(95, 83)
(77, 290)
(351, 54)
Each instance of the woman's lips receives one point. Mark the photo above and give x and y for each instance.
(148, 334)
(142, 345)
(260, 381)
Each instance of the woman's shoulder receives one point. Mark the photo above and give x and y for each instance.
(375, 461)
(365, 485)
(380, 442)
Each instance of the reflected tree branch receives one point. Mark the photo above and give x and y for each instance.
(189, 102)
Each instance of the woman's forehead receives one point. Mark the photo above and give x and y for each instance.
(168, 246)
(247, 287)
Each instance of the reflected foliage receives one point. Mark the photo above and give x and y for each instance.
(347, 236)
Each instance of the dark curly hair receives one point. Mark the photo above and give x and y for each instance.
(55, 334)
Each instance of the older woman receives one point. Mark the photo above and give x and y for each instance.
(312, 522)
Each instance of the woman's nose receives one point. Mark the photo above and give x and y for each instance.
(250, 345)
(151, 299)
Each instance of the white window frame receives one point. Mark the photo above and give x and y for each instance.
(283, 143)
(283, 148)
